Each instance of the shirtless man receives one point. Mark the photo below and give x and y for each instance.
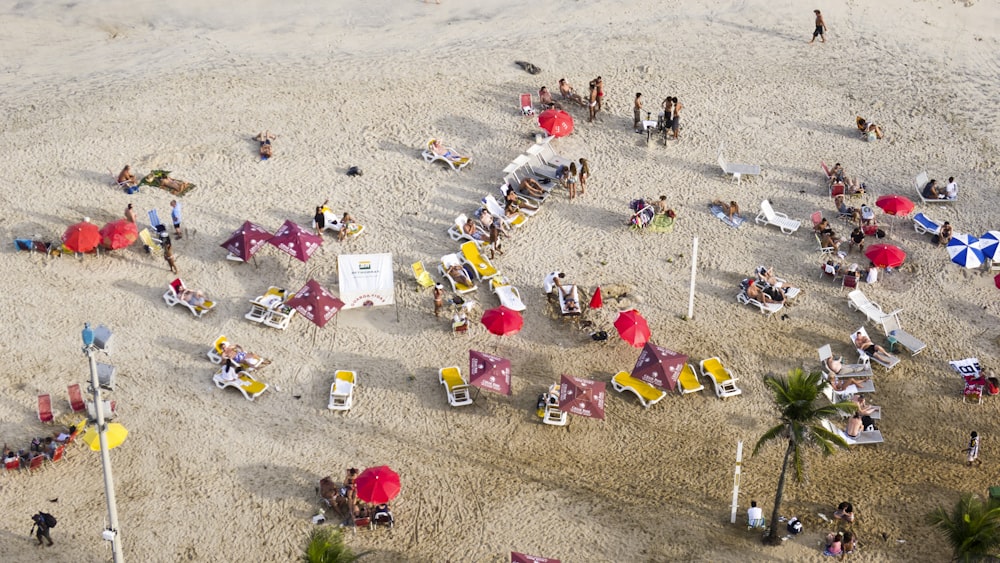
(637, 112)
(545, 98)
(864, 343)
(820, 28)
(471, 230)
(532, 187)
(125, 177)
(945, 235)
(592, 102)
(599, 83)
(458, 273)
(661, 206)
(567, 92)
(755, 293)
(130, 214)
(265, 138)
(675, 123)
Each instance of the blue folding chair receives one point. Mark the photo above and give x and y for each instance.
(158, 227)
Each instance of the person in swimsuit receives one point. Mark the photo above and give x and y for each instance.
(545, 98)
(126, 177)
(820, 28)
(592, 102)
(440, 149)
(532, 187)
(583, 175)
(599, 83)
(637, 112)
(864, 343)
(567, 92)
(675, 123)
(265, 138)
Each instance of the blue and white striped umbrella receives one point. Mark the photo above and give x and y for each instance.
(989, 243)
(964, 251)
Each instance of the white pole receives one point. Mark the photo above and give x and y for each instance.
(736, 480)
(111, 534)
(694, 268)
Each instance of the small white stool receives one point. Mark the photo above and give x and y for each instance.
(738, 178)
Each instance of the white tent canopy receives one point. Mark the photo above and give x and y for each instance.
(366, 280)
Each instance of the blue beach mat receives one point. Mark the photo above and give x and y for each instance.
(735, 222)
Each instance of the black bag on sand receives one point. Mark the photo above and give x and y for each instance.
(794, 526)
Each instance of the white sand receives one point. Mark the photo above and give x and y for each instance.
(208, 476)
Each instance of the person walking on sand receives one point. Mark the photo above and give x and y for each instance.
(820, 28)
(438, 299)
(130, 214)
(42, 523)
(973, 450)
(599, 84)
(175, 215)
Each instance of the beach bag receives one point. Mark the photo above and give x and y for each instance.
(50, 520)
(867, 423)
(794, 526)
(355, 171)
(993, 386)
(879, 233)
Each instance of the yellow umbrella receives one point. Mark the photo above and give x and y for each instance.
(116, 435)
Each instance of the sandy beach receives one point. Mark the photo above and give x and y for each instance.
(207, 476)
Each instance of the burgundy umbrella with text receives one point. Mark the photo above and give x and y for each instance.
(315, 303)
(489, 372)
(581, 396)
(296, 240)
(659, 366)
(247, 240)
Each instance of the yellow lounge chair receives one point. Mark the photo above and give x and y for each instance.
(447, 262)
(646, 393)
(250, 387)
(725, 383)
(457, 386)
(342, 390)
(423, 277)
(471, 255)
(687, 381)
(215, 354)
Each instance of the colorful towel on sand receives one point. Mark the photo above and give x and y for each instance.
(735, 222)
(661, 224)
(156, 178)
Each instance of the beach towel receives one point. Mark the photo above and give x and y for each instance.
(155, 178)
(735, 222)
(661, 224)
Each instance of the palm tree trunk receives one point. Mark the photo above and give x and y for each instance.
(772, 535)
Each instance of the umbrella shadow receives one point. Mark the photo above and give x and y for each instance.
(279, 482)
(107, 178)
(828, 128)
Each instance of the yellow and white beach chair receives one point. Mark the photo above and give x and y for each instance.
(481, 264)
(456, 385)
(449, 260)
(452, 156)
(250, 387)
(422, 276)
(687, 381)
(646, 393)
(215, 354)
(725, 383)
(342, 390)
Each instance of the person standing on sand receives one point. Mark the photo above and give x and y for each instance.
(175, 215)
(438, 299)
(592, 101)
(130, 214)
(973, 450)
(820, 28)
(637, 112)
(584, 174)
(675, 123)
(599, 83)
(168, 255)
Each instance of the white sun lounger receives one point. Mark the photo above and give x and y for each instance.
(864, 437)
(768, 216)
(828, 392)
(765, 308)
(864, 357)
(846, 370)
(859, 302)
(737, 171)
(893, 328)
(508, 295)
(922, 180)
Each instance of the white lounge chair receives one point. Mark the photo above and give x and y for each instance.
(538, 166)
(725, 383)
(458, 234)
(846, 370)
(497, 211)
(342, 390)
(738, 171)
(765, 308)
(828, 392)
(922, 180)
(564, 306)
(449, 260)
(768, 216)
(508, 295)
(547, 154)
(646, 393)
(456, 386)
(451, 157)
(893, 329)
(521, 201)
(510, 179)
(924, 224)
(863, 356)
(864, 437)
(859, 302)
(331, 222)
(173, 297)
(867, 386)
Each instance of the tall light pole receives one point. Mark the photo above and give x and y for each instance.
(111, 533)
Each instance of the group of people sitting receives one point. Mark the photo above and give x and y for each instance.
(645, 210)
(766, 288)
(343, 498)
(932, 190)
(342, 226)
(840, 183)
(46, 446)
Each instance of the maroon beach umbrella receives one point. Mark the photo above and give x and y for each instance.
(502, 321)
(581, 396)
(296, 240)
(885, 255)
(516, 557)
(659, 366)
(556, 122)
(119, 234)
(247, 240)
(315, 303)
(377, 485)
(489, 372)
(82, 237)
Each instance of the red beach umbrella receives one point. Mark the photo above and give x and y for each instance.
(82, 237)
(377, 485)
(897, 205)
(516, 557)
(119, 234)
(596, 302)
(996, 281)
(582, 396)
(315, 303)
(885, 255)
(502, 321)
(556, 122)
(632, 328)
(247, 240)
(489, 372)
(296, 240)
(658, 366)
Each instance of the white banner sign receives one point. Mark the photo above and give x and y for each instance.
(366, 280)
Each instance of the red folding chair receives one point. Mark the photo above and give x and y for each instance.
(527, 107)
(76, 398)
(13, 465)
(57, 456)
(45, 408)
(36, 462)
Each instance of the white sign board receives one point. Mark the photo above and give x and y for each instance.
(366, 280)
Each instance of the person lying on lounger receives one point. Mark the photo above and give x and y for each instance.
(193, 298)
(345, 225)
(510, 196)
(864, 343)
(242, 357)
(757, 294)
(470, 229)
(458, 273)
(571, 305)
(531, 187)
(441, 150)
(265, 138)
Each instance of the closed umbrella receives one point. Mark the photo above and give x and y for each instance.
(489, 372)
(964, 251)
(996, 281)
(119, 234)
(377, 485)
(885, 255)
(581, 396)
(247, 240)
(596, 302)
(315, 303)
(82, 237)
(556, 122)
(296, 240)
(632, 328)
(659, 366)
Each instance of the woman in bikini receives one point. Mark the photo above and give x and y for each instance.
(583, 175)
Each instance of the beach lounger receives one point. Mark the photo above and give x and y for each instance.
(922, 180)
(513, 183)
(75, 398)
(423, 277)
(551, 413)
(262, 305)
(447, 261)
(45, 408)
(565, 308)
(547, 154)
(859, 302)
(508, 295)
(450, 157)
(456, 385)
(724, 382)
(149, 243)
(864, 357)
(646, 393)
(108, 409)
(823, 249)
(342, 390)
(497, 211)
(521, 201)
(215, 353)
(527, 108)
(279, 316)
(519, 170)
(159, 231)
(831, 396)
(864, 437)
(738, 171)
(768, 216)
(457, 234)
(472, 255)
(846, 370)
(36, 463)
(687, 381)
(539, 167)
(250, 387)
(925, 225)
(173, 297)
(893, 329)
(765, 308)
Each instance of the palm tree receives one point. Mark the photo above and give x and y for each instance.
(326, 545)
(972, 528)
(801, 425)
